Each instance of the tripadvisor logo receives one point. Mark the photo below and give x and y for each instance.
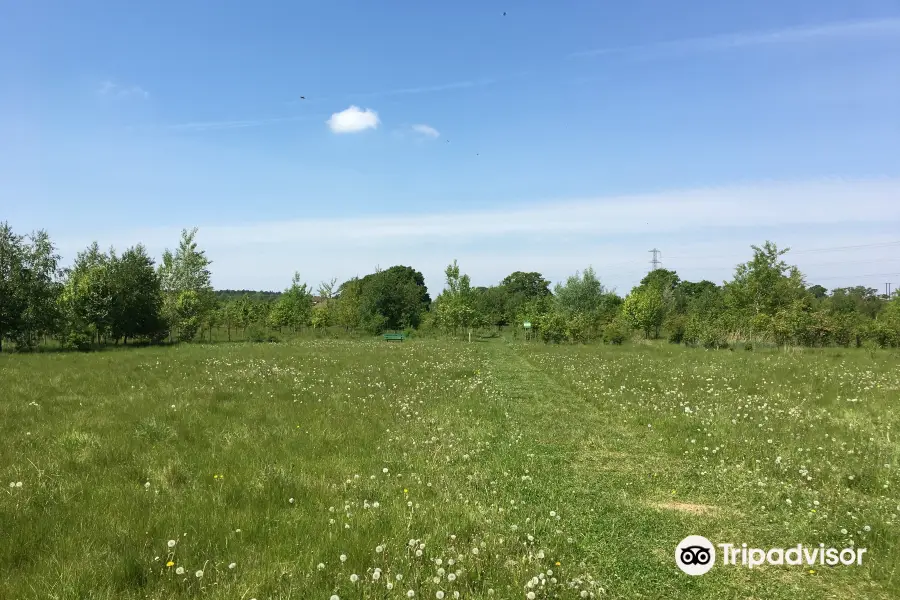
(696, 555)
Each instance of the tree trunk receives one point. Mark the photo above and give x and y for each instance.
(229, 332)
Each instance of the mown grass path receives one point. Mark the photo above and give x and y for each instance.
(636, 492)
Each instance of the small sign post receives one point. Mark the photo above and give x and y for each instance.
(527, 326)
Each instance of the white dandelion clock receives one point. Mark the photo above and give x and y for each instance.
(171, 543)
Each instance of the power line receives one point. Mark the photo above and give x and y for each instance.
(814, 250)
(851, 276)
(876, 245)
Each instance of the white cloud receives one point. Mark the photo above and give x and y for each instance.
(426, 130)
(353, 120)
(847, 29)
(110, 88)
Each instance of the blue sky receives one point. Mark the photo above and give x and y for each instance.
(580, 133)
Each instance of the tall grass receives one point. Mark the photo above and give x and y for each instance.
(484, 470)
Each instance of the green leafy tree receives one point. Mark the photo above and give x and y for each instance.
(646, 308)
(189, 311)
(490, 303)
(763, 286)
(13, 283)
(520, 288)
(395, 298)
(321, 316)
(456, 305)
(88, 297)
(347, 309)
(186, 270)
(296, 304)
(662, 279)
(585, 304)
(135, 309)
(818, 292)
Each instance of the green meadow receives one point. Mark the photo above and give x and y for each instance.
(428, 469)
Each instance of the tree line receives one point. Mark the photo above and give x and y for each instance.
(107, 297)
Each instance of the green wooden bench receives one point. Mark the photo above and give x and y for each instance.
(394, 337)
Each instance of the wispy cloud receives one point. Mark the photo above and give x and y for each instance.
(238, 124)
(820, 202)
(703, 233)
(848, 30)
(817, 202)
(111, 88)
(353, 120)
(426, 130)
(441, 87)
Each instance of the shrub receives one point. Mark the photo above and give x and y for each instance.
(257, 334)
(614, 334)
(675, 326)
(78, 340)
(702, 332)
(885, 335)
(579, 328)
(25, 342)
(553, 328)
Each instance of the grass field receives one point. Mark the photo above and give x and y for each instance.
(368, 470)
